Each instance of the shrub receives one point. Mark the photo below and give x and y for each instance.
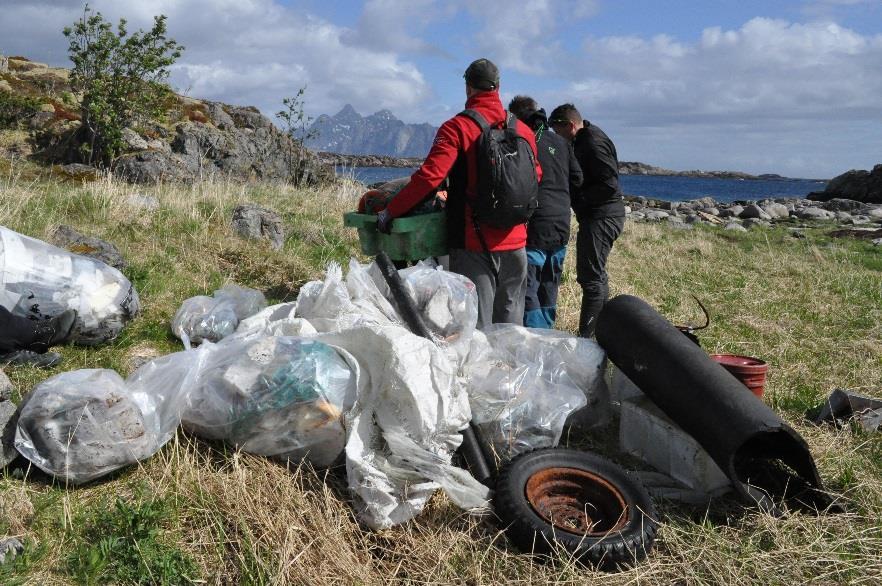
(121, 77)
(16, 109)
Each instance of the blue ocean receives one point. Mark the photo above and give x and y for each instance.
(657, 186)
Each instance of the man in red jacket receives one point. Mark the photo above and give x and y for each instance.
(499, 272)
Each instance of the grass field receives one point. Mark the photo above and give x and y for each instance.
(200, 513)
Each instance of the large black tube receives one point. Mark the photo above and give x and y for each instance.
(766, 460)
(471, 448)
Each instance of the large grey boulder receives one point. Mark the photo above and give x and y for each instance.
(249, 117)
(731, 212)
(753, 211)
(654, 215)
(65, 236)
(153, 167)
(218, 116)
(254, 223)
(735, 227)
(845, 205)
(865, 186)
(814, 214)
(776, 211)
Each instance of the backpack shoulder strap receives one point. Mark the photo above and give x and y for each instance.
(479, 120)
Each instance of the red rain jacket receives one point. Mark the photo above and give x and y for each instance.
(460, 135)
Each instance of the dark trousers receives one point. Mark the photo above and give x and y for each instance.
(500, 280)
(544, 270)
(593, 244)
(16, 333)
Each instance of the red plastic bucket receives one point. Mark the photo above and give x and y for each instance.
(750, 371)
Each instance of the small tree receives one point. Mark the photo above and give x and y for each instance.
(121, 78)
(296, 124)
(295, 118)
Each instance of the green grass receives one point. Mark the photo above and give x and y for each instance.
(812, 308)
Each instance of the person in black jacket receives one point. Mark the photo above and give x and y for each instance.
(549, 228)
(598, 205)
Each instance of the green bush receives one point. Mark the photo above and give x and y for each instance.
(15, 110)
(121, 77)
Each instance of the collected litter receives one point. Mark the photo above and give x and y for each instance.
(213, 318)
(275, 396)
(40, 281)
(843, 406)
(524, 384)
(551, 498)
(83, 424)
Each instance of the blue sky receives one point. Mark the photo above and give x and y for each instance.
(790, 87)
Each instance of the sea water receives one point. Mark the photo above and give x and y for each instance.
(666, 187)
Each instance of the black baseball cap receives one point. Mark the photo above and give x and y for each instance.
(482, 74)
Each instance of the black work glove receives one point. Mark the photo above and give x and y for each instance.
(384, 222)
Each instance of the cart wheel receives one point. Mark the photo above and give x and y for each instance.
(555, 497)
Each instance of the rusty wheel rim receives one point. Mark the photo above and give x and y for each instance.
(577, 501)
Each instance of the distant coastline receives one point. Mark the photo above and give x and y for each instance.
(625, 167)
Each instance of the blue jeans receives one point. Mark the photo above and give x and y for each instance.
(544, 270)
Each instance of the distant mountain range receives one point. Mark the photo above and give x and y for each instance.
(348, 132)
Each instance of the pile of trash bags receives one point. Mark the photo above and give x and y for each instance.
(40, 281)
(332, 377)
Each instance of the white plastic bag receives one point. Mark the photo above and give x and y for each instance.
(524, 383)
(334, 304)
(83, 424)
(404, 426)
(38, 280)
(213, 318)
(277, 320)
(276, 396)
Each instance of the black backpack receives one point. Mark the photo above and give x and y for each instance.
(508, 187)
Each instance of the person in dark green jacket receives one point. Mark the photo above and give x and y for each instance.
(548, 230)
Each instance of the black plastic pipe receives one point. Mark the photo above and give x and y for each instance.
(766, 460)
(471, 448)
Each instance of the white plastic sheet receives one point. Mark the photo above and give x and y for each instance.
(38, 280)
(524, 383)
(404, 426)
(276, 396)
(83, 424)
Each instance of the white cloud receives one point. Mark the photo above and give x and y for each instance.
(521, 37)
(393, 25)
(241, 51)
(767, 70)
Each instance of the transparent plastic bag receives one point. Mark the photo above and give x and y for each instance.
(40, 281)
(213, 318)
(448, 302)
(275, 396)
(204, 318)
(524, 383)
(246, 301)
(83, 424)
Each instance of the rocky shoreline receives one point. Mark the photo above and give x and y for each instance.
(863, 219)
(625, 167)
